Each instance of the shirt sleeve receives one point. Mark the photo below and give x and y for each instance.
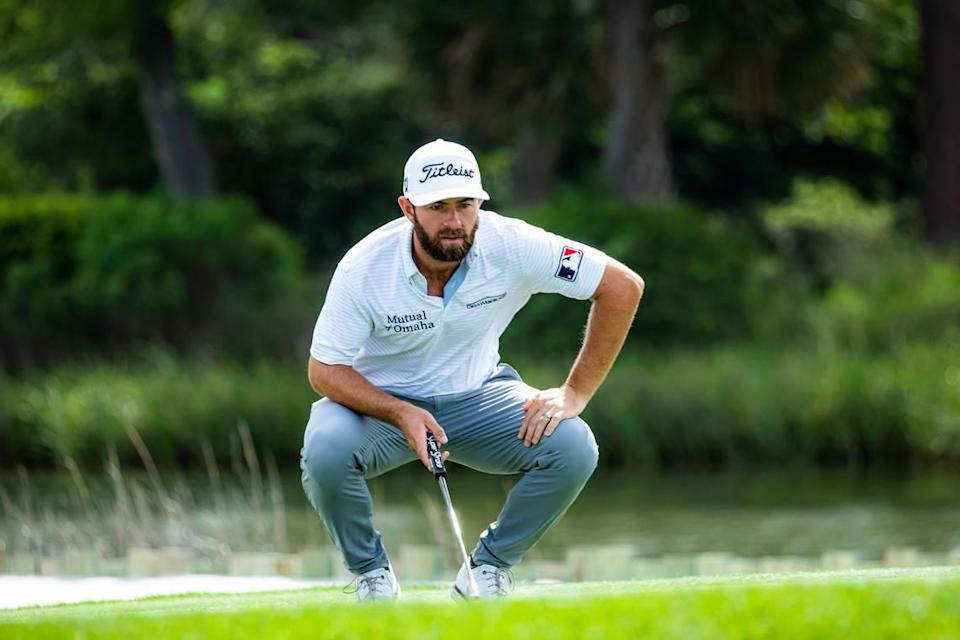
(343, 325)
(555, 264)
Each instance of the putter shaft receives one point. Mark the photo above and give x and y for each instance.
(474, 590)
(440, 472)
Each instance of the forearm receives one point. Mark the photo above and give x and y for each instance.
(607, 326)
(344, 385)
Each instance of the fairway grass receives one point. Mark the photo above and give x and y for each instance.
(892, 603)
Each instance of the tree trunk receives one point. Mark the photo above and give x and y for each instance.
(179, 153)
(534, 165)
(635, 158)
(940, 43)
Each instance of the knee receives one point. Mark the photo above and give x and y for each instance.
(324, 460)
(329, 444)
(575, 447)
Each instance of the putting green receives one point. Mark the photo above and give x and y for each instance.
(904, 603)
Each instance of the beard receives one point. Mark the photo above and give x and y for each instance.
(435, 247)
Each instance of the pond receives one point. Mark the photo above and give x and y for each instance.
(772, 513)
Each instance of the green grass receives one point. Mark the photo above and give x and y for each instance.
(914, 603)
(731, 405)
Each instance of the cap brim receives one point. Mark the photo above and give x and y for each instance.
(444, 194)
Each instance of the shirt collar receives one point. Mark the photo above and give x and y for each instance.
(406, 249)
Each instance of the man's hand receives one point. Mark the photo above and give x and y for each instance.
(342, 384)
(614, 305)
(414, 423)
(546, 409)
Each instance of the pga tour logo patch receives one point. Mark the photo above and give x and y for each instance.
(569, 266)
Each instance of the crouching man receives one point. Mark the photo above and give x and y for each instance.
(407, 343)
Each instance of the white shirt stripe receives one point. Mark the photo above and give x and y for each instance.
(378, 318)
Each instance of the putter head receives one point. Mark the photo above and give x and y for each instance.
(465, 597)
(465, 587)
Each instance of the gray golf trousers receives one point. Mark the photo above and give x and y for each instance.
(342, 449)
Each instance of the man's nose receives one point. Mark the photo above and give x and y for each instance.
(451, 217)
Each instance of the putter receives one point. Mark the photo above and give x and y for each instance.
(440, 473)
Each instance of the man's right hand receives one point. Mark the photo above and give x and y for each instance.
(342, 384)
(414, 423)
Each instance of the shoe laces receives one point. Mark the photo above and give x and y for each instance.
(368, 581)
(501, 579)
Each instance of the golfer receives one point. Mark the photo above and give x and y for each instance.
(407, 343)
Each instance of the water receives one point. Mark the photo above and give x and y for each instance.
(783, 513)
(775, 513)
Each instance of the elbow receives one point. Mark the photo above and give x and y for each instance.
(315, 384)
(621, 283)
(634, 286)
(639, 284)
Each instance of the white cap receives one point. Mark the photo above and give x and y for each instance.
(439, 170)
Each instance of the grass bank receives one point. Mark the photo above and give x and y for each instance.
(918, 603)
(724, 406)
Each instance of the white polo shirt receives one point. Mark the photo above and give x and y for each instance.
(378, 318)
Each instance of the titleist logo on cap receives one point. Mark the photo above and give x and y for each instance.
(438, 170)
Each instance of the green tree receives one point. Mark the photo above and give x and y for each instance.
(119, 35)
(941, 119)
(307, 109)
(635, 151)
(764, 91)
(522, 75)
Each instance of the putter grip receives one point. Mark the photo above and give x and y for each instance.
(436, 458)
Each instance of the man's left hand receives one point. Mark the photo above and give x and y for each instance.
(544, 411)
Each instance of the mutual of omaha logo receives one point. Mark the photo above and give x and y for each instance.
(486, 300)
(408, 323)
(569, 266)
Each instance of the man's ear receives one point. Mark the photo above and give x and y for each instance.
(407, 207)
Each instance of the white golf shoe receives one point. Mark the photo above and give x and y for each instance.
(377, 585)
(492, 582)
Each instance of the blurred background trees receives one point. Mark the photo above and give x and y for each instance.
(183, 175)
(303, 108)
(941, 120)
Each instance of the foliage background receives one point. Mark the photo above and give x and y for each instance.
(796, 309)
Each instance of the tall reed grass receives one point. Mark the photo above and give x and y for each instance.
(114, 508)
(724, 406)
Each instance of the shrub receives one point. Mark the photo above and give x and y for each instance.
(876, 287)
(80, 410)
(754, 405)
(81, 273)
(703, 274)
(910, 295)
(827, 230)
(716, 407)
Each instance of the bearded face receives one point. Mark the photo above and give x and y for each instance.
(448, 245)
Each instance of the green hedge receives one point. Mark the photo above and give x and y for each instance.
(87, 273)
(723, 406)
(760, 405)
(703, 274)
(911, 296)
(79, 410)
(835, 272)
